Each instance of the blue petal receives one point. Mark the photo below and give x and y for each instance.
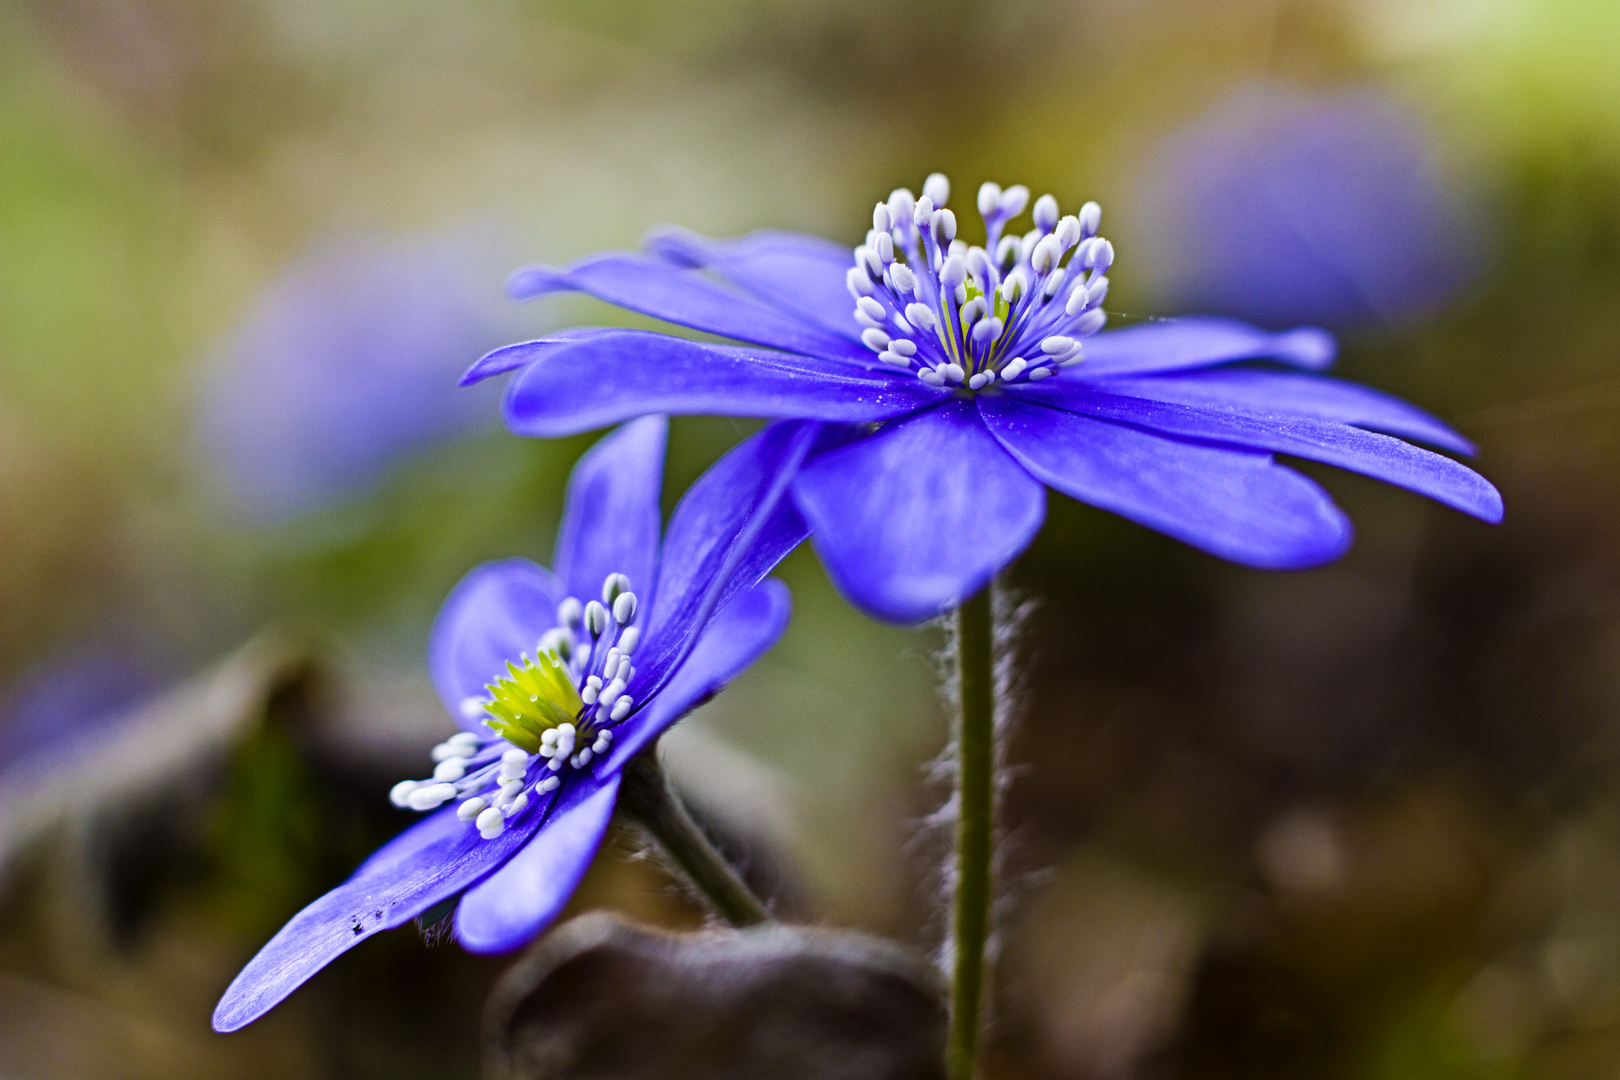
(741, 633)
(657, 288)
(706, 526)
(519, 900)
(919, 517)
(1276, 393)
(612, 377)
(510, 357)
(1198, 342)
(497, 611)
(1379, 456)
(804, 274)
(428, 863)
(611, 523)
(1237, 504)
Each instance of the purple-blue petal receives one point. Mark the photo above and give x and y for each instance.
(1382, 457)
(1238, 504)
(509, 907)
(1278, 393)
(920, 516)
(496, 612)
(510, 357)
(611, 522)
(430, 862)
(799, 273)
(1201, 341)
(612, 377)
(742, 632)
(665, 291)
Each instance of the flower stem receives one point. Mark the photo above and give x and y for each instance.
(647, 799)
(975, 829)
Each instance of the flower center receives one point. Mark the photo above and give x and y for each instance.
(548, 716)
(968, 316)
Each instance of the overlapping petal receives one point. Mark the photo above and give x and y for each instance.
(428, 863)
(612, 519)
(606, 378)
(920, 516)
(524, 896)
(1238, 504)
(665, 291)
(1198, 342)
(495, 613)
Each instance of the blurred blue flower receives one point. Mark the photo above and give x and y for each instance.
(977, 399)
(1282, 206)
(347, 364)
(534, 774)
(51, 712)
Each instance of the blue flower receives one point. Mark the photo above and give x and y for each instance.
(966, 365)
(1282, 205)
(558, 678)
(346, 365)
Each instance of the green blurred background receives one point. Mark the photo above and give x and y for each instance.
(1358, 822)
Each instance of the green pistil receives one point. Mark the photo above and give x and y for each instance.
(532, 699)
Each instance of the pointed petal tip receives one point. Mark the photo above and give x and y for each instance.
(1309, 347)
(538, 279)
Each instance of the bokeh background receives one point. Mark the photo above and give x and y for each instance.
(1360, 822)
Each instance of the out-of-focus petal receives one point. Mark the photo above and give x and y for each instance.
(1238, 504)
(920, 516)
(804, 274)
(519, 900)
(511, 357)
(611, 523)
(1382, 457)
(656, 287)
(1199, 342)
(742, 632)
(496, 612)
(428, 863)
(612, 377)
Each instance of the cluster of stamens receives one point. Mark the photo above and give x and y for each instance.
(968, 316)
(554, 713)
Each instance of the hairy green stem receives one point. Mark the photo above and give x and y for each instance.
(975, 829)
(647, 799)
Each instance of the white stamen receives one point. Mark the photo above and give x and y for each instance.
(1046, 255)
(980, 379)
(1054, 282)
(1041, 373)
(621, 708)
(1096, 290)
(874, 339)
(1068, 232)
(517, 805)
(400, 793)
(596, 618)
(510, 786)
(471, 808)
(953, 272)
(569, 612)
(1045, 213)
(871, 309)
(901, 205)
(894, 358)
(903, 346)
(1090, 217)
(613, 585)
(624, 608)
(905, 282)
(952, 372)
(451, 769)
(931, 377)
(593, 687)
(431, 796)
(548, 738)
(491, 823)
(1014, 288)
(943, 223)
(989, 198)
(629, 639)
(922, 211)
(472, 708)
(557, 641)
(856, 281)
(882, 221)
(611, 694)
(937, 189)
(600, 746)
(974, 310)
(1014, 199)
(920, 316)
(550, 783)
(987, 331)
(1057, 345)
(1013, 368)
(883, 244)
(1091, 322)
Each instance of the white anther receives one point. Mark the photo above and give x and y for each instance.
(566, 728)
(881, 219)
(905, 282)
(548, 738)
(883, 244)
(556, 763)
(514, 756)
(987, 331)
(472, 708)
(596, 618)
(1057, 345)
(606, 734)
(610, 666)
(621, 708)
(953, 272)
(445, 751)
(1079, 299)
(1068, 232)
(1090, 220)
(511, 771)
(1007, 252)
(901, 203)
(1026, 243)
(550, 783)
(491, 822)
(1013, 368)
(1054, 282)
(920, 316)
(953, 372)
(593, 687)
(888, 356)
(569, 612)
(921, 211)
(1045, 213)
(979, 380)
(989, 198)
(869, 260)
(872, 309)
(431, 796)
(1041, 373)
(931, 377)
(510, 786)
(974, 310)
(937, 189)
(400, 793)
(958, 247)
(517, 805)
(1072, 359)
(904, 346)
(1101, 255)
(600, 746)
(856, 281)
(471, 808)
(1096, 290)
(613, 585)
(624, 608)
(1014, 199)
(451, 769)
(611, 694)
(1091, 322)
(961, 295)
(943, 223)
(629, 639)
(556, 642)
(875, 339)
(1014, 288)
(1046, 255)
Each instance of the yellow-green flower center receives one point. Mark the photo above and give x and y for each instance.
(532, 699)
